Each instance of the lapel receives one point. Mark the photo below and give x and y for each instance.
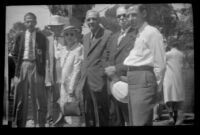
(22, 44)
(113, 48)
(129, 37)
(87, 43)
(97, 39)
(36, 40)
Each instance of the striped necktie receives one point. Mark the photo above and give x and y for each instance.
(31, 46)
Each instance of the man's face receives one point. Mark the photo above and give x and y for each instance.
(122, 17)
(92, 21)
(135, 17)
(56, 29)
(30, 22)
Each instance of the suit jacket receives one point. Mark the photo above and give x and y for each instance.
(117, 53)
(40, 52)
(95, 55)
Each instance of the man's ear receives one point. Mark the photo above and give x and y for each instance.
(144, 13)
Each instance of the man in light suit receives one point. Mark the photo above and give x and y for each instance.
(29, 53)
(53, 68)
(119, 47)
(93, 78)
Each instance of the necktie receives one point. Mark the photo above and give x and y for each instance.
(120, 37)
(30, 46)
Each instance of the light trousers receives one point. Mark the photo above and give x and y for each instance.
(30, 83)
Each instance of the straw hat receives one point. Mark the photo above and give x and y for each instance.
(56, 20)
(119, 90)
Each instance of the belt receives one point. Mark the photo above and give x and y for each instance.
(140, 68)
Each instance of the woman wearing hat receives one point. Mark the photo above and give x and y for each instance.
(70, 57)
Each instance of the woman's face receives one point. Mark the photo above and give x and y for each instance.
(70, 37)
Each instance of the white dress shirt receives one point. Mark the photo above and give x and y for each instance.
(148, 51)
(27, 47)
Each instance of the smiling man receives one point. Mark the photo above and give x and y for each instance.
(93, 78)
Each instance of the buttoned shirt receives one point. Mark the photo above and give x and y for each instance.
(27, 45)
(148, 51)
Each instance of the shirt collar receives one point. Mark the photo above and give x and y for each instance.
(142, 27)
(125, 31)
(28, 32)
(72, 47)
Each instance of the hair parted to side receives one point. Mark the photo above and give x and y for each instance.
(30, 14)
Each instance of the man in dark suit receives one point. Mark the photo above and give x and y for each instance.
(30, 54)
(119, 46)
(93, 78)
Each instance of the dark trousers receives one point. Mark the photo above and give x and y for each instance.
(95, 107)
(142, 97)
(118, 112)
(53, 108)
(31, 84)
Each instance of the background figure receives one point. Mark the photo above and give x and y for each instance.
(173, 87)
(71, 57)
(146, 64)
(53, 69)
(119, 46)
(11, 87)
(30, 54)
(93, 78)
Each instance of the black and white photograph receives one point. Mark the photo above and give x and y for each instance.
(99, 65)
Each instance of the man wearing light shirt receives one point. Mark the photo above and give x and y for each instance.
(53, 68)
(146, 65)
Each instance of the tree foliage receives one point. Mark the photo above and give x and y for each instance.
(78, 11)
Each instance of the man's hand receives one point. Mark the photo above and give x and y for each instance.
(110, 70)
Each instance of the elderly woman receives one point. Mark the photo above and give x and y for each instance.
(70, 60)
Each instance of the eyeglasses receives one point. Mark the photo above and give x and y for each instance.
(69, 34)
(122, 15)
(89, 19)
